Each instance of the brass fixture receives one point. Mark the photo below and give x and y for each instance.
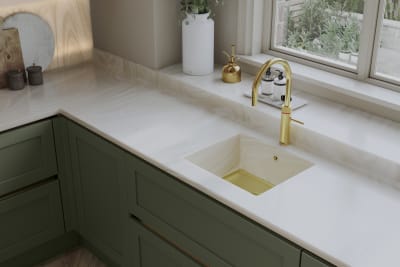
(286, 109)
(231, 73)
(248, 182)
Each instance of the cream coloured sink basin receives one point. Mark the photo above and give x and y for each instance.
(249, 163)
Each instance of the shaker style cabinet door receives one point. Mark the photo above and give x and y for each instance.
(29, 219)
(99, 175)
(27, 156)
(145, 249)
(164, 202)
(65, 178)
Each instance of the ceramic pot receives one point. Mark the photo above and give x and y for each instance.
(344, 56)
(198, 44)
(354, 58)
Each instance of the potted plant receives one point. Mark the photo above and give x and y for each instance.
(355, 41)
(345, 51)
(198, 36)
(330, 41)
(350, 39)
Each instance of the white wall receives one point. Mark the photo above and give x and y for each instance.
(143, 31)
(225, 29)
(148, 31)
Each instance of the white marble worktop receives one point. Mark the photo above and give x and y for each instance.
(337, 209)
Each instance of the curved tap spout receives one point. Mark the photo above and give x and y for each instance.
(286, 109)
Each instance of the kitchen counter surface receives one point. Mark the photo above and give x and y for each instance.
(339, 213)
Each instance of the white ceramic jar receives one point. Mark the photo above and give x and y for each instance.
(198, 44)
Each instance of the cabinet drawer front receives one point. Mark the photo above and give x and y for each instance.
(145, 249)
(29, 219)
(27, 155)
(236, 240)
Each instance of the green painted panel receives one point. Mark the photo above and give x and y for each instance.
(158, 198)
(146, 249)
(99, 174)
(65, 177)
(29, 219)
(27, 156)
(310, 261)
(44, 252)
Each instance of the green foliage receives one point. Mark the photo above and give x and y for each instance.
(331, 43)
(350, 35)
(307, 27)
(325, 27)
(199, 7)
(392, 10)
(354, 6)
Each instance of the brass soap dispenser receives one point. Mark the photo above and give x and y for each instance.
(231, 73)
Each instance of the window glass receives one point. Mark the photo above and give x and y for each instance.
(323, 30)
(388, 57)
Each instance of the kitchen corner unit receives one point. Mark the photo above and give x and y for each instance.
(127, 211)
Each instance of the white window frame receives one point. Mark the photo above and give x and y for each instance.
(254, 39)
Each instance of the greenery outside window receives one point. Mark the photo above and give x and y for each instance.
(357, 38)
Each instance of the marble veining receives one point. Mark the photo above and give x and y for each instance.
(337, 212)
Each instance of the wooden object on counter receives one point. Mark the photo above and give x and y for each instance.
(10, 54)
(70, 22)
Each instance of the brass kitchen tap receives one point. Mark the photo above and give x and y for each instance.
(286, 109)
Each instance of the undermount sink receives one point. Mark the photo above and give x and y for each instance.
(249, 163)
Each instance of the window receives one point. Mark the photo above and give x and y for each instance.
(387, 55)
(321, 30)
(360, 38)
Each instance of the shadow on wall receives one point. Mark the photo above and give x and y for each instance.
(70, 22)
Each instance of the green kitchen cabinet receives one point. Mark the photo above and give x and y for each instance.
(61, 138)
(308, 260)
(99, 175)
(127, 211)
(147, 249)
(29, 219)
(175, 209)
(27, 156)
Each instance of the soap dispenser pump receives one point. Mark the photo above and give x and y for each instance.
(279, 86)
(231, 72)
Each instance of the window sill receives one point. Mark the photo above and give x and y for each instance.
(362, 95)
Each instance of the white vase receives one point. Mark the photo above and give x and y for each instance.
(198, 44)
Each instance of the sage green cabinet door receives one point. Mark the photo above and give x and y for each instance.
(61, 137)
(99, 175)
(145, 249)
(27, 156)
(309, 261)
(29, 219)
(166, 203)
